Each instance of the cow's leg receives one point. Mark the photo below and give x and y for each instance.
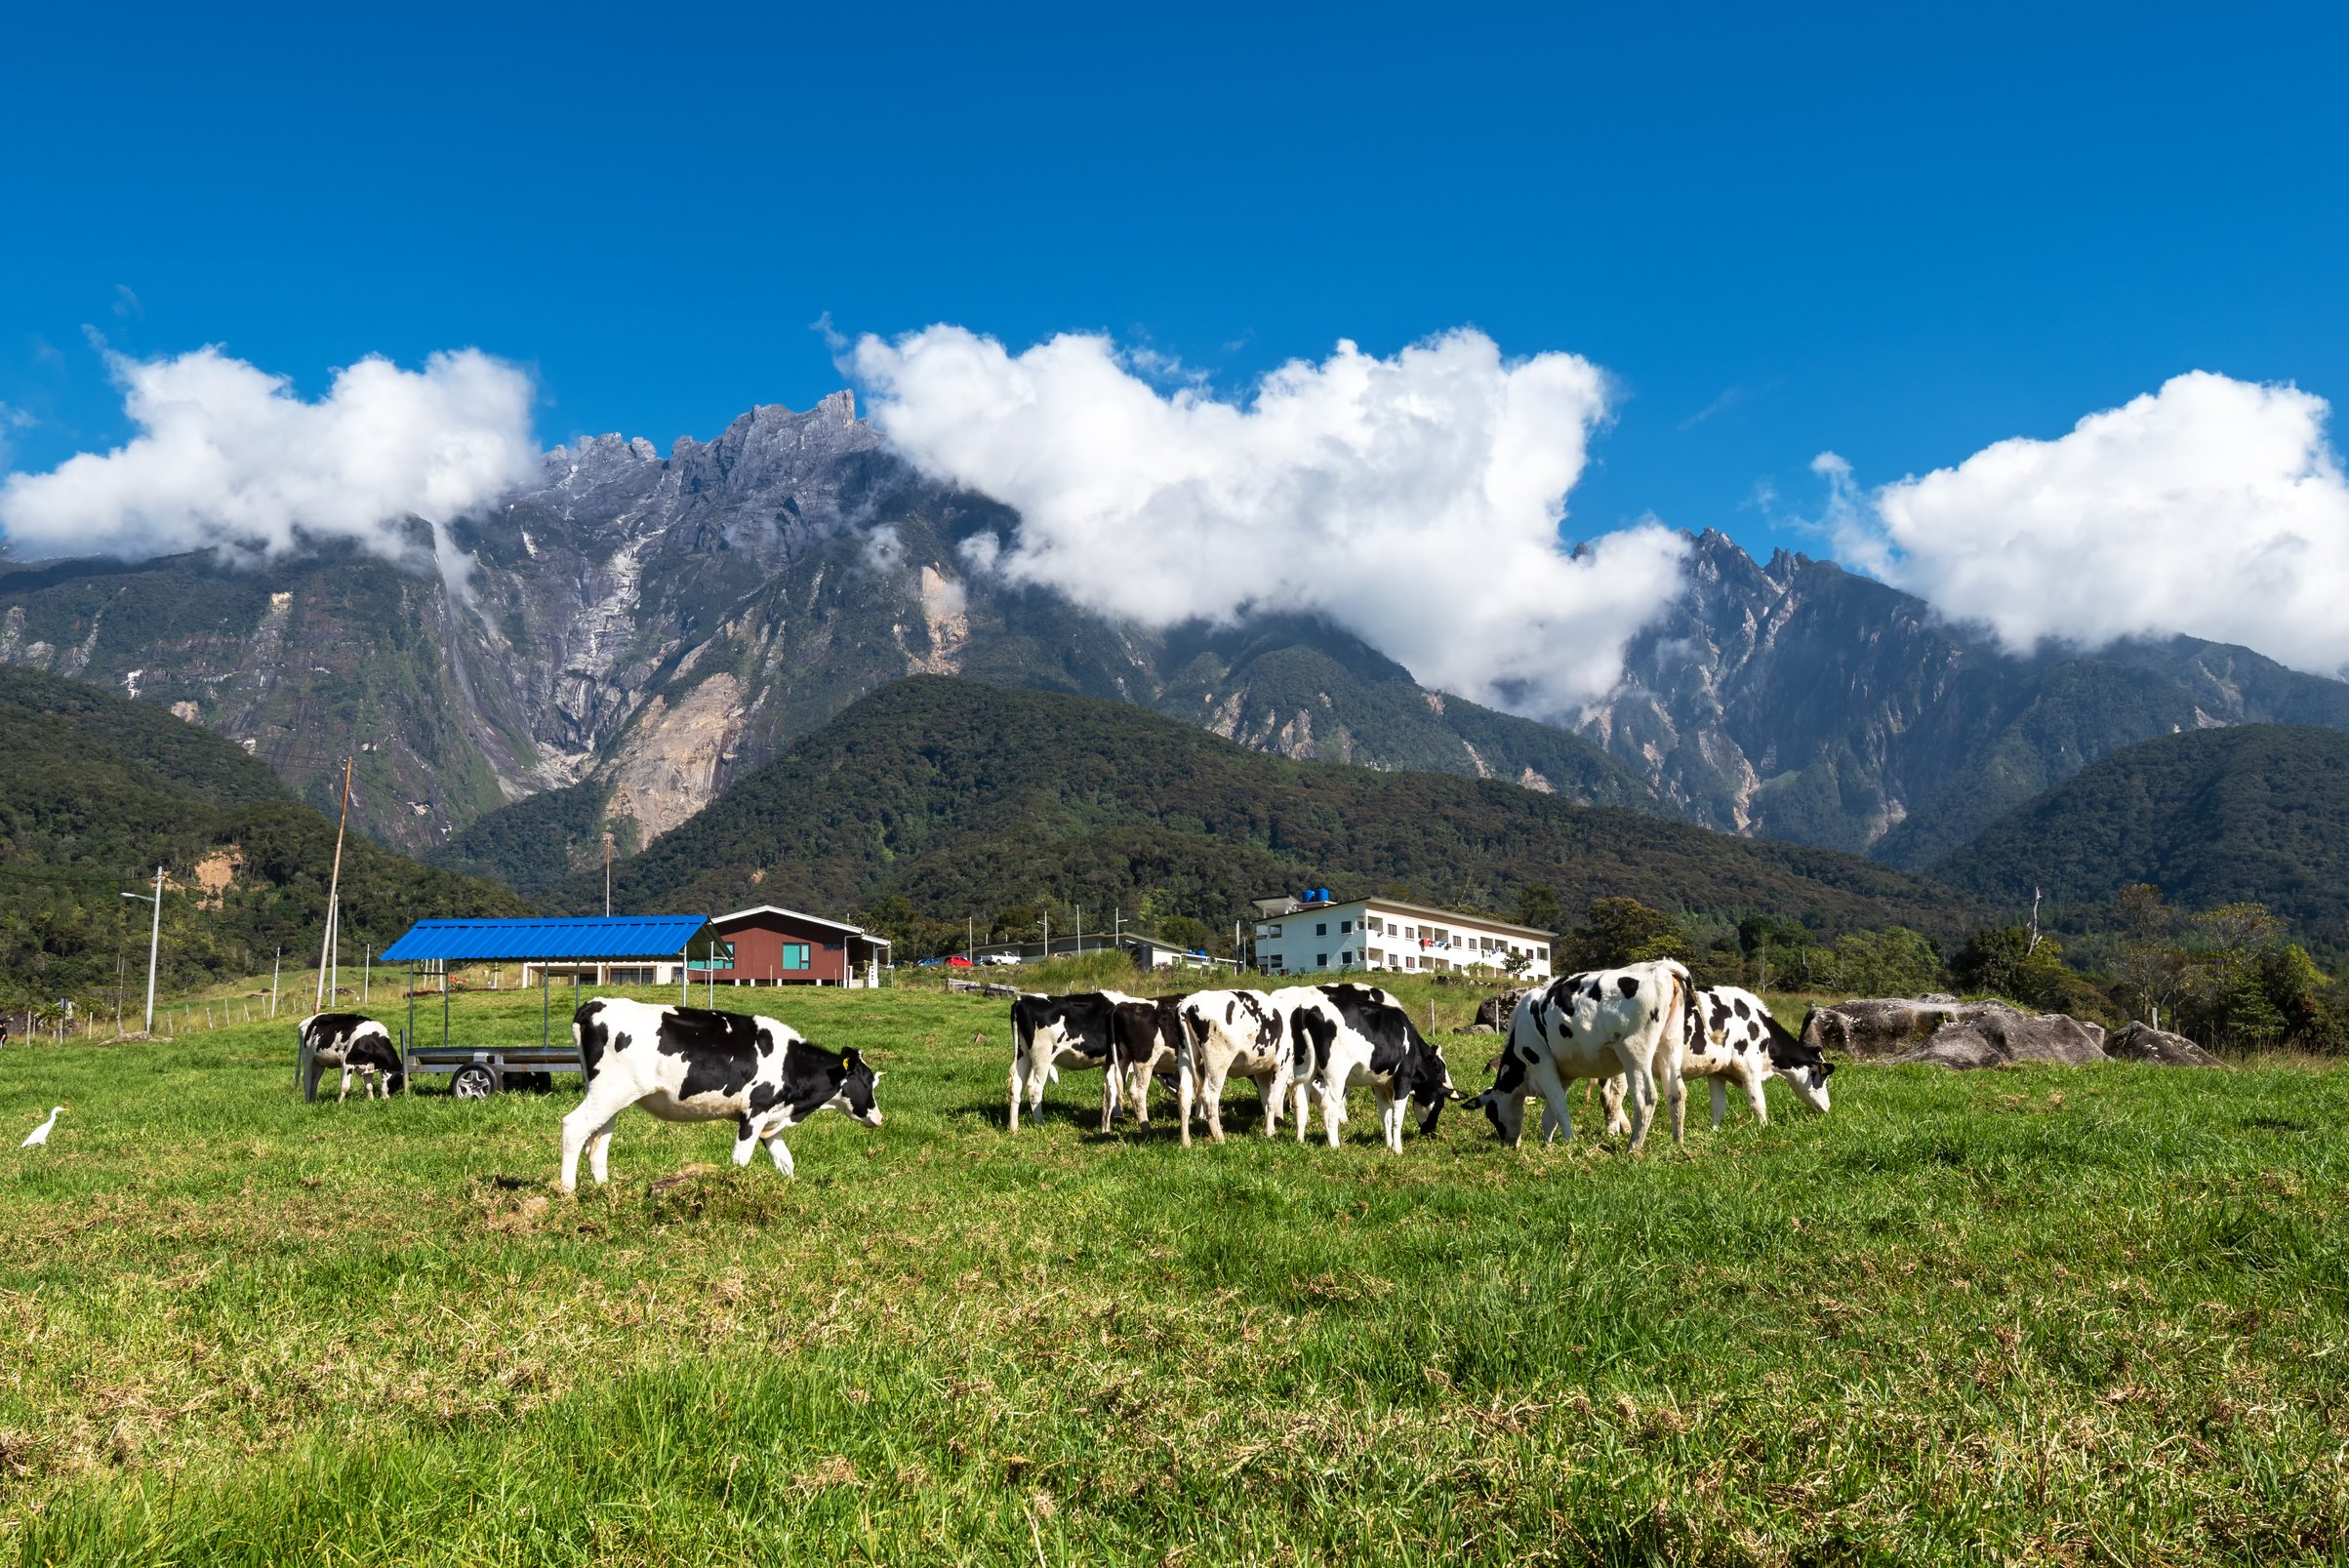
(1390, 1120)
(1108, 1092)
(1644, 1103)
(1211, 1091)
(1333, 1106)
(1041, 1072)
(1271, 1089)
(1721, 1101)
(1557, 1103)
(1674, 1089)
(599, 1150)
(589, 1123)
(1610, 1095)
(345, 1094)
(1186, 1093)
(1019, 1076)
(745, 1140)
(783, 1155)
(1301, 1103)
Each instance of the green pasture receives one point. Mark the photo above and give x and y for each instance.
(2034, 1315)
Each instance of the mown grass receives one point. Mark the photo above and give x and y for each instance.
(2037, 1314)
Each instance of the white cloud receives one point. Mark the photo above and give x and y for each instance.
(1414, 501)
(227, 457)
(2213, 507)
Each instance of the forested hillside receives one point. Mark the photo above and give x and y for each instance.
(963, 799)
(2257, 813)
(96, 791)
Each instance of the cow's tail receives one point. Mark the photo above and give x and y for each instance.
(1684, 1003)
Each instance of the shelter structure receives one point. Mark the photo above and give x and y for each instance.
(605, 944)
(767, 945)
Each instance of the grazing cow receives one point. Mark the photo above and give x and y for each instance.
(353, 1043)
(1732, 1038)
(1358, 1034)
(1146, 1041)
(1631, 1021)
(1241, 1031)
(693, 1064)
(1052, 1032)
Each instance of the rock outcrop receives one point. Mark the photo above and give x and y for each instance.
(2141, 1042)
(1949, 1034)
(1493, 1011)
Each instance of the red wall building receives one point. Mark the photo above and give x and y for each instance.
(775, 946)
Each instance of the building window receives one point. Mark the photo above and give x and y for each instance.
(1267, 931)
(794, 955)
(1322, 929)
(1320, 960)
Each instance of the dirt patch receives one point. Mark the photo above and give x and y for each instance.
(216, 875)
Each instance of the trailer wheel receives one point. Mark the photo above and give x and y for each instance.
(474, 1082)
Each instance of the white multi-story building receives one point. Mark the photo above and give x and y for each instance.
(1309, 936)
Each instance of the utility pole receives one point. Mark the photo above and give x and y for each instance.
(607, 873)
(334, 886)
(275, 964)
(154, 945)
(1047, 932)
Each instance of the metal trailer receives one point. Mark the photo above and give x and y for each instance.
(477, 1071)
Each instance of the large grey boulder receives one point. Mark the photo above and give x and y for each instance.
(1951, 1034)
(1493, 1011)
(2141, 1042)
(1955, 1045)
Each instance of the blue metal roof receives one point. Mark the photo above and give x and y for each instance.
(599, 937)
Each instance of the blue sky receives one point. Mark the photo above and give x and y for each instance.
(1897, 233)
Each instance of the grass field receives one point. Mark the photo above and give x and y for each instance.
(2094, 1315)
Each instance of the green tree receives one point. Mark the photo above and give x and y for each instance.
(1622, 931)
(2150, 969)
(1186, 931)
(2005, 961)
(1898, 962)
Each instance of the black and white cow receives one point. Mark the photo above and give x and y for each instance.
(1359, 1036)
(1239, 1034)
(356, 1044)
(1052, 1032)
(1630, 1021)
(1147, 1041)
(693, 1064)
(1732, 1038)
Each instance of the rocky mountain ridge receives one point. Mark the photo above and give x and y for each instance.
(636, 631)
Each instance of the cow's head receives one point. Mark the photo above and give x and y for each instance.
(855, 1093)
(1504, 1103)
(1804, 1067)
(1427, 1083)
(1809, 1080)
